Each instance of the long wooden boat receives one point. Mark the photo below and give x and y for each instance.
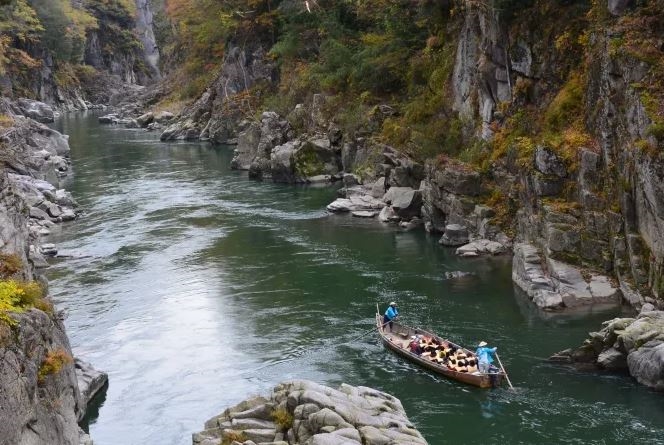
(398, 339)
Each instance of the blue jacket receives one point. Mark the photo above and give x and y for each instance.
(485, 355)
(391, 312)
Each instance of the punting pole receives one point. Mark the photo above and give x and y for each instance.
(505, 371)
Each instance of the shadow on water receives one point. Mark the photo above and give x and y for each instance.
(194, 287)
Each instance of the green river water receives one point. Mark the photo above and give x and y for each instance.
(183, 279)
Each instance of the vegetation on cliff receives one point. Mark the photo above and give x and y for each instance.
(17, 295)
(32, 32)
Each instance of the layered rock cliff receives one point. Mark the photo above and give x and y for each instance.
(40, 400)
(76, 54)
(559, 109)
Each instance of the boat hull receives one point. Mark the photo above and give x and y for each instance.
(396, 340)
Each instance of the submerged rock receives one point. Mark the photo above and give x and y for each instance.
(303, 412)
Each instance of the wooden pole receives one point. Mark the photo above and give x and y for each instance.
(505, 371)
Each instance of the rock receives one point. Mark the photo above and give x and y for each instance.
(378, 188)
(412, 224)
(154, 126)
(145, 119)
(319, 179)
(163, 117)
(364, 214)
(355, 203)
(38, 213)
(481, 246)
(349, 180)
(561, 285)
(36, 110)
(387, 214)
(548, 163)
(90, 382)
(321, 415)
(618, 7)
(109, 119)
(455, 235)
(647, 307)
(48, 249)
(612, 359)
(646, 364)
(405, 201)
(635, 344)
(132, 123)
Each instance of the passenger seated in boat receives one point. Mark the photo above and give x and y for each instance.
(415, 345)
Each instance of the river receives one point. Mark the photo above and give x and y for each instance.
(195, 287)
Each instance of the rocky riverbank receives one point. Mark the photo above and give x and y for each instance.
(43, 390)
(634, 345)
(304, 412)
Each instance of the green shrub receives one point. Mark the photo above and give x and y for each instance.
(18, 296)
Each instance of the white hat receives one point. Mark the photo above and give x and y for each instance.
(393, 303)
(482, 343)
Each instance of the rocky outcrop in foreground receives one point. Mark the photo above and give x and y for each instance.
(304, 412)
(43, 392)
(635, 345)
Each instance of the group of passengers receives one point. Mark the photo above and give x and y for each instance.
(445, 353)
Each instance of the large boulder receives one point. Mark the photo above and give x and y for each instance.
(405, 201)
(90, 382)
(454, 235)
(307, 413)
(247, 147)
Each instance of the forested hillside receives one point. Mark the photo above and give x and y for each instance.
(57, 50)
(555, 108)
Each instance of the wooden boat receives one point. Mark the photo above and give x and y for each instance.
(398, 339)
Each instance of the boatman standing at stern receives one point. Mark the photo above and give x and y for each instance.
(390, 314)
(485, 357)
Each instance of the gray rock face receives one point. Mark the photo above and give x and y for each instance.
(316, 415)
(215, 116)
(633, 344)
(36, 110)
(560, 285)
(27, 409)
(618, 7)
(455, 235)
(481, 247)
(90, 382)
(405, 201)
(145, 31)
(549, 163)
(35, 410)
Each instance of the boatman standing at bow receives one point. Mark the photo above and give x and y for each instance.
(485, 357)
(390, 314)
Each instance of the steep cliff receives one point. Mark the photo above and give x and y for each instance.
(71, 53)
(40, 402)
(538, 99)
